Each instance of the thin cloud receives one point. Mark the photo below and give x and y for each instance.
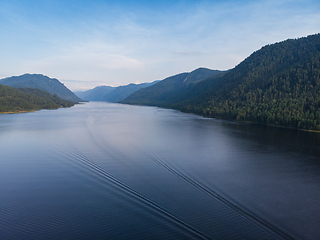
(187, 53)
(115, 44)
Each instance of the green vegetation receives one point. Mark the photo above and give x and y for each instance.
(39, 81)
(170, 89)
(279, 85)
(28, 99)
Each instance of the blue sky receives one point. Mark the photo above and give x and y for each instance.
(87, 43)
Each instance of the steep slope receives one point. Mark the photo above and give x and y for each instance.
(27, 99)
(162, 92)
(95, 94)
(279, 84)
(195, 92)
(39, 81)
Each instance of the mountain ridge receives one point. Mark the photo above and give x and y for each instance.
(278, 84)
(112, 94)
(40, 81)
(94, 94)
(164, 90)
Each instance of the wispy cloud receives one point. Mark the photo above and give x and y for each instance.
(187, 53)
(116, 42)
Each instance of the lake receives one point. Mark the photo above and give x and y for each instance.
(110, 171)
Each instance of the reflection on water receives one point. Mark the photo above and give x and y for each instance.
(111, 171)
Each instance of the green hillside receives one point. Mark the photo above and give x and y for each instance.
(28, 99)
(50, 85)
(163, 92)
(278, 84)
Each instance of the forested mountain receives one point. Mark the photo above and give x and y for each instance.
(112, 94)
(278, 84)
(39, 81)
(28, 99)
(168, 89)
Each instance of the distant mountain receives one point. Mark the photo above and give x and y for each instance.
(111, 94)
(278, 84)
(166, 90)
(122, 92)
(40, 81)
(28, 99)
(95, 94)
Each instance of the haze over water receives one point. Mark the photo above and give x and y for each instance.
(112, 171)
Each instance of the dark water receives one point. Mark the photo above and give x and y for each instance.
(109, 171)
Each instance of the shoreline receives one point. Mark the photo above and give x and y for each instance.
(34, 110)
(272, 125)
(265, 124)
(20, 111)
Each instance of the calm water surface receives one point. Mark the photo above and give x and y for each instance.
(110, 171)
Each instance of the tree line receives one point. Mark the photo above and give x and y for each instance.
(279, 84)
(28, 99)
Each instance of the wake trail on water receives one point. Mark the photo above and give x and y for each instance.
(258, 221)
(113, 153)
(85, 162)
